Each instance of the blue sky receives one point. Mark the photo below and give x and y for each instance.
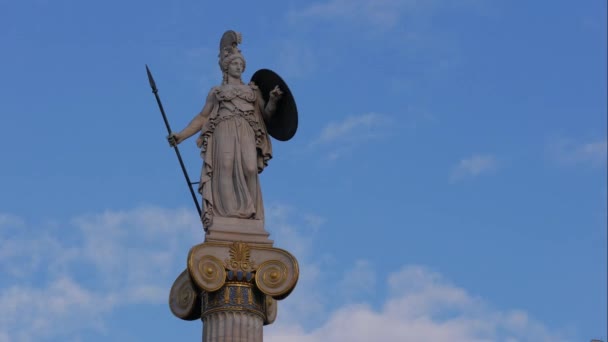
(447, 181)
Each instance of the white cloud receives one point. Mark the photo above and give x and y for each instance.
(132, 249)
(569, 152)
(61, 307)
(359, 280)
(279, 221)
(24, 251)
(295, 233)
(314, 221)
(421, 306)
(99, 263)
(349, 128)
(149, 247)
(382, 14)
(343, 136)
(379, 15)
(473, 167)
(296, 59)
(119, 258)
(8, 220)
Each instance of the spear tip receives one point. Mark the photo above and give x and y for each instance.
(151, 79)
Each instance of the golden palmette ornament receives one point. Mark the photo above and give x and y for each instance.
(239, 265)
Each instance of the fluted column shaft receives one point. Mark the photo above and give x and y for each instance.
(232, 326)
(234, 313)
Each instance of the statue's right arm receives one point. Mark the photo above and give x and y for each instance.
(196, 124)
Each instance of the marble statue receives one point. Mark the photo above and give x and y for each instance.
(233, 138)
(233, 280)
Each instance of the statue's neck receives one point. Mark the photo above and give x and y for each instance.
(234, 81)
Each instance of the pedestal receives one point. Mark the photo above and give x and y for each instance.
(228, 229)
(233, 288)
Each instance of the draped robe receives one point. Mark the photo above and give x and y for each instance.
(235, 149)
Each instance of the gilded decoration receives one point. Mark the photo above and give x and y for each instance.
(234, 296)
(240, 258)
(274, 278)
(208, 273)
(274, 271)
(235, 277)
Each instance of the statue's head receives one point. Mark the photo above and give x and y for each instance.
(229, 51)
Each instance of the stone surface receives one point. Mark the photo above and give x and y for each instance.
(274, 270)
(232, 326)
(227, 229)
(235, 277)
(234, 288)
(184, 298)
(234, 142)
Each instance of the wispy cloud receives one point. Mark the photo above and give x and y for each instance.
(383, 14)
(296, 59)
(295, 232)
(359, 280)
(351, 128)
(62, 307)
(117, 259)
(473, 167)
(151, 244)
(128, 257)
(343, 136)
(421, 306)
(378, 15)
(570, 152)
(9, 220)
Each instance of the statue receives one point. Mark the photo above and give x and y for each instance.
(233, 280)
(234, 139)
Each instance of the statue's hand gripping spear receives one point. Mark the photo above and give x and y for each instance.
(179, 156)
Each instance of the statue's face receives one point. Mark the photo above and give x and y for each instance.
(235, 68)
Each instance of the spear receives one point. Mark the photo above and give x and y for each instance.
(179, 156)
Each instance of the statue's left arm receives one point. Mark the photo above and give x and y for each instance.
(270, 107)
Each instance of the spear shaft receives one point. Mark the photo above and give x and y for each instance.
(179, 156)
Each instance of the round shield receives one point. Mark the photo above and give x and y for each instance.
(284, 122)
